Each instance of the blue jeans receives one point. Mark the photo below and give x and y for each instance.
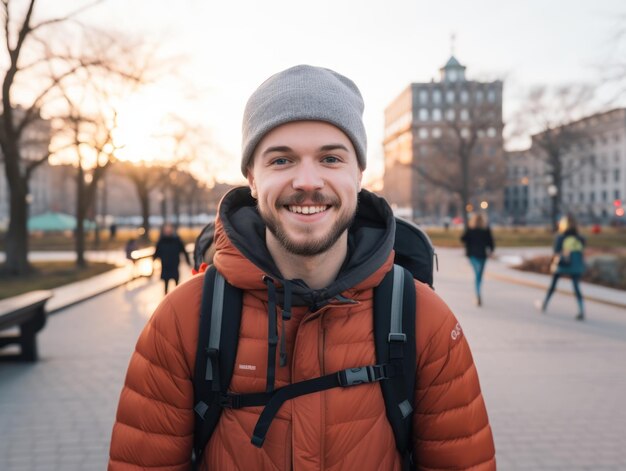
(575, 282)
(478, 264)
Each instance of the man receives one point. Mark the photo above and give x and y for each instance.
(305, 234)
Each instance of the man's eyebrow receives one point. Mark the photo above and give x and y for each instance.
(325, 148)
(277, 149)
(328, 147)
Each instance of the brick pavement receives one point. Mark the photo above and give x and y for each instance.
(553, 386)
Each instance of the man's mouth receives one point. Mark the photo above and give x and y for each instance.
(307, 209)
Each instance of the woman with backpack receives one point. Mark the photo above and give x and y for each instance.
(567, 260)
(478, 246)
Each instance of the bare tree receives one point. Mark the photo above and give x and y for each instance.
(146, 179)
(36, 70)
(551, 115)
(463, 160)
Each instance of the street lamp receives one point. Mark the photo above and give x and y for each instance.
(553, 190)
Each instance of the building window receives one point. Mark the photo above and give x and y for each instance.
(479, 96)
(423, 114)
(436, 96)
(423, 97)
(436, 114)
(592, 197)
(450, 96)
(464, 114)
(581, 197)
(423, 133)
(491, 96)
(616, 195)
(464, 96)
(436, 133)
(603, 177)
(450, 115)
(491, 132)
(604, 196)
(465, 133)
(616, 175)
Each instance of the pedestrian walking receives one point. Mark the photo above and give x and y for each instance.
(479, 245)
(307, 248)
(169, 248)
(567, 260)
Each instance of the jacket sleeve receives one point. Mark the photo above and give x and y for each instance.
(450, 424)
(154, 422)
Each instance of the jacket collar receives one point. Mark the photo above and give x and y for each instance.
(242, 256)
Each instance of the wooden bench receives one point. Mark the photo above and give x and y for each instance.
(26, 311)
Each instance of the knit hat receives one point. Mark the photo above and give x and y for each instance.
(304, 93)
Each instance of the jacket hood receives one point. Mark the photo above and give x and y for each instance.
(242, 256)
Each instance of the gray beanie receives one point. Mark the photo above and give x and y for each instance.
(304, 93)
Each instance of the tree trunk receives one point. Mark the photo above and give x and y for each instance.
(79, 233)
(554, 212)
(16, 262)
(144, 199)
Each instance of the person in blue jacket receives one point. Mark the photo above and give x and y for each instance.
(567, 260)
(169, 248)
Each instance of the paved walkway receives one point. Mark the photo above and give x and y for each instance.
(554, 387)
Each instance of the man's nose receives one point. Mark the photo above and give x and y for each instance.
(307, 177)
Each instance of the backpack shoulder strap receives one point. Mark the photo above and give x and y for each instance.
(394, 336)
(220, 317)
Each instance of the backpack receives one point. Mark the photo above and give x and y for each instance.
(394, 338)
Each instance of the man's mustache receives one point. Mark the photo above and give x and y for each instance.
(314, 197)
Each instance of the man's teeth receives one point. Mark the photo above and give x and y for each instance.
(307, 209)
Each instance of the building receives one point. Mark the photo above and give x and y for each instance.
(425, 127)
(593, 174)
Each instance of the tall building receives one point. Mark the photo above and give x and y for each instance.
(429, 128)
(593, 174)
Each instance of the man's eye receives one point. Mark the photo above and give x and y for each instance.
(331, 159)
(280, 161)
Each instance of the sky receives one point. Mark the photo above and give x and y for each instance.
(230, 47)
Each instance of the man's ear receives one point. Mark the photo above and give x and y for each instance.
(251, 183)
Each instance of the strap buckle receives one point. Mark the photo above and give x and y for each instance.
(364, 374)
(397, 337)
(230, 401)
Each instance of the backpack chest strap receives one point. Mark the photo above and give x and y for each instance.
(275, 399)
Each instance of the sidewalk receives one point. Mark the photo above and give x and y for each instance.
(553, 386)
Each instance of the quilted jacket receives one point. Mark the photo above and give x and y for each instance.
(337, 429)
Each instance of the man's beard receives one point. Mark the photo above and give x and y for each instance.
(308, 248)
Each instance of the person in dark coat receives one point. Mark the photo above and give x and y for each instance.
(479, 245)
(567, 260)
(168, 250)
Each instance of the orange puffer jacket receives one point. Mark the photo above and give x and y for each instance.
(337, 429)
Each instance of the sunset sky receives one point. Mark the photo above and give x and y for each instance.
(229, 48)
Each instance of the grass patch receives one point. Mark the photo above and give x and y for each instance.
(50, 275)
(529, 237)
(65, 240)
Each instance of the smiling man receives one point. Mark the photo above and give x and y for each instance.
(307, 247)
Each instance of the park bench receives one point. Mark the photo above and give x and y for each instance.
(27, 312)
